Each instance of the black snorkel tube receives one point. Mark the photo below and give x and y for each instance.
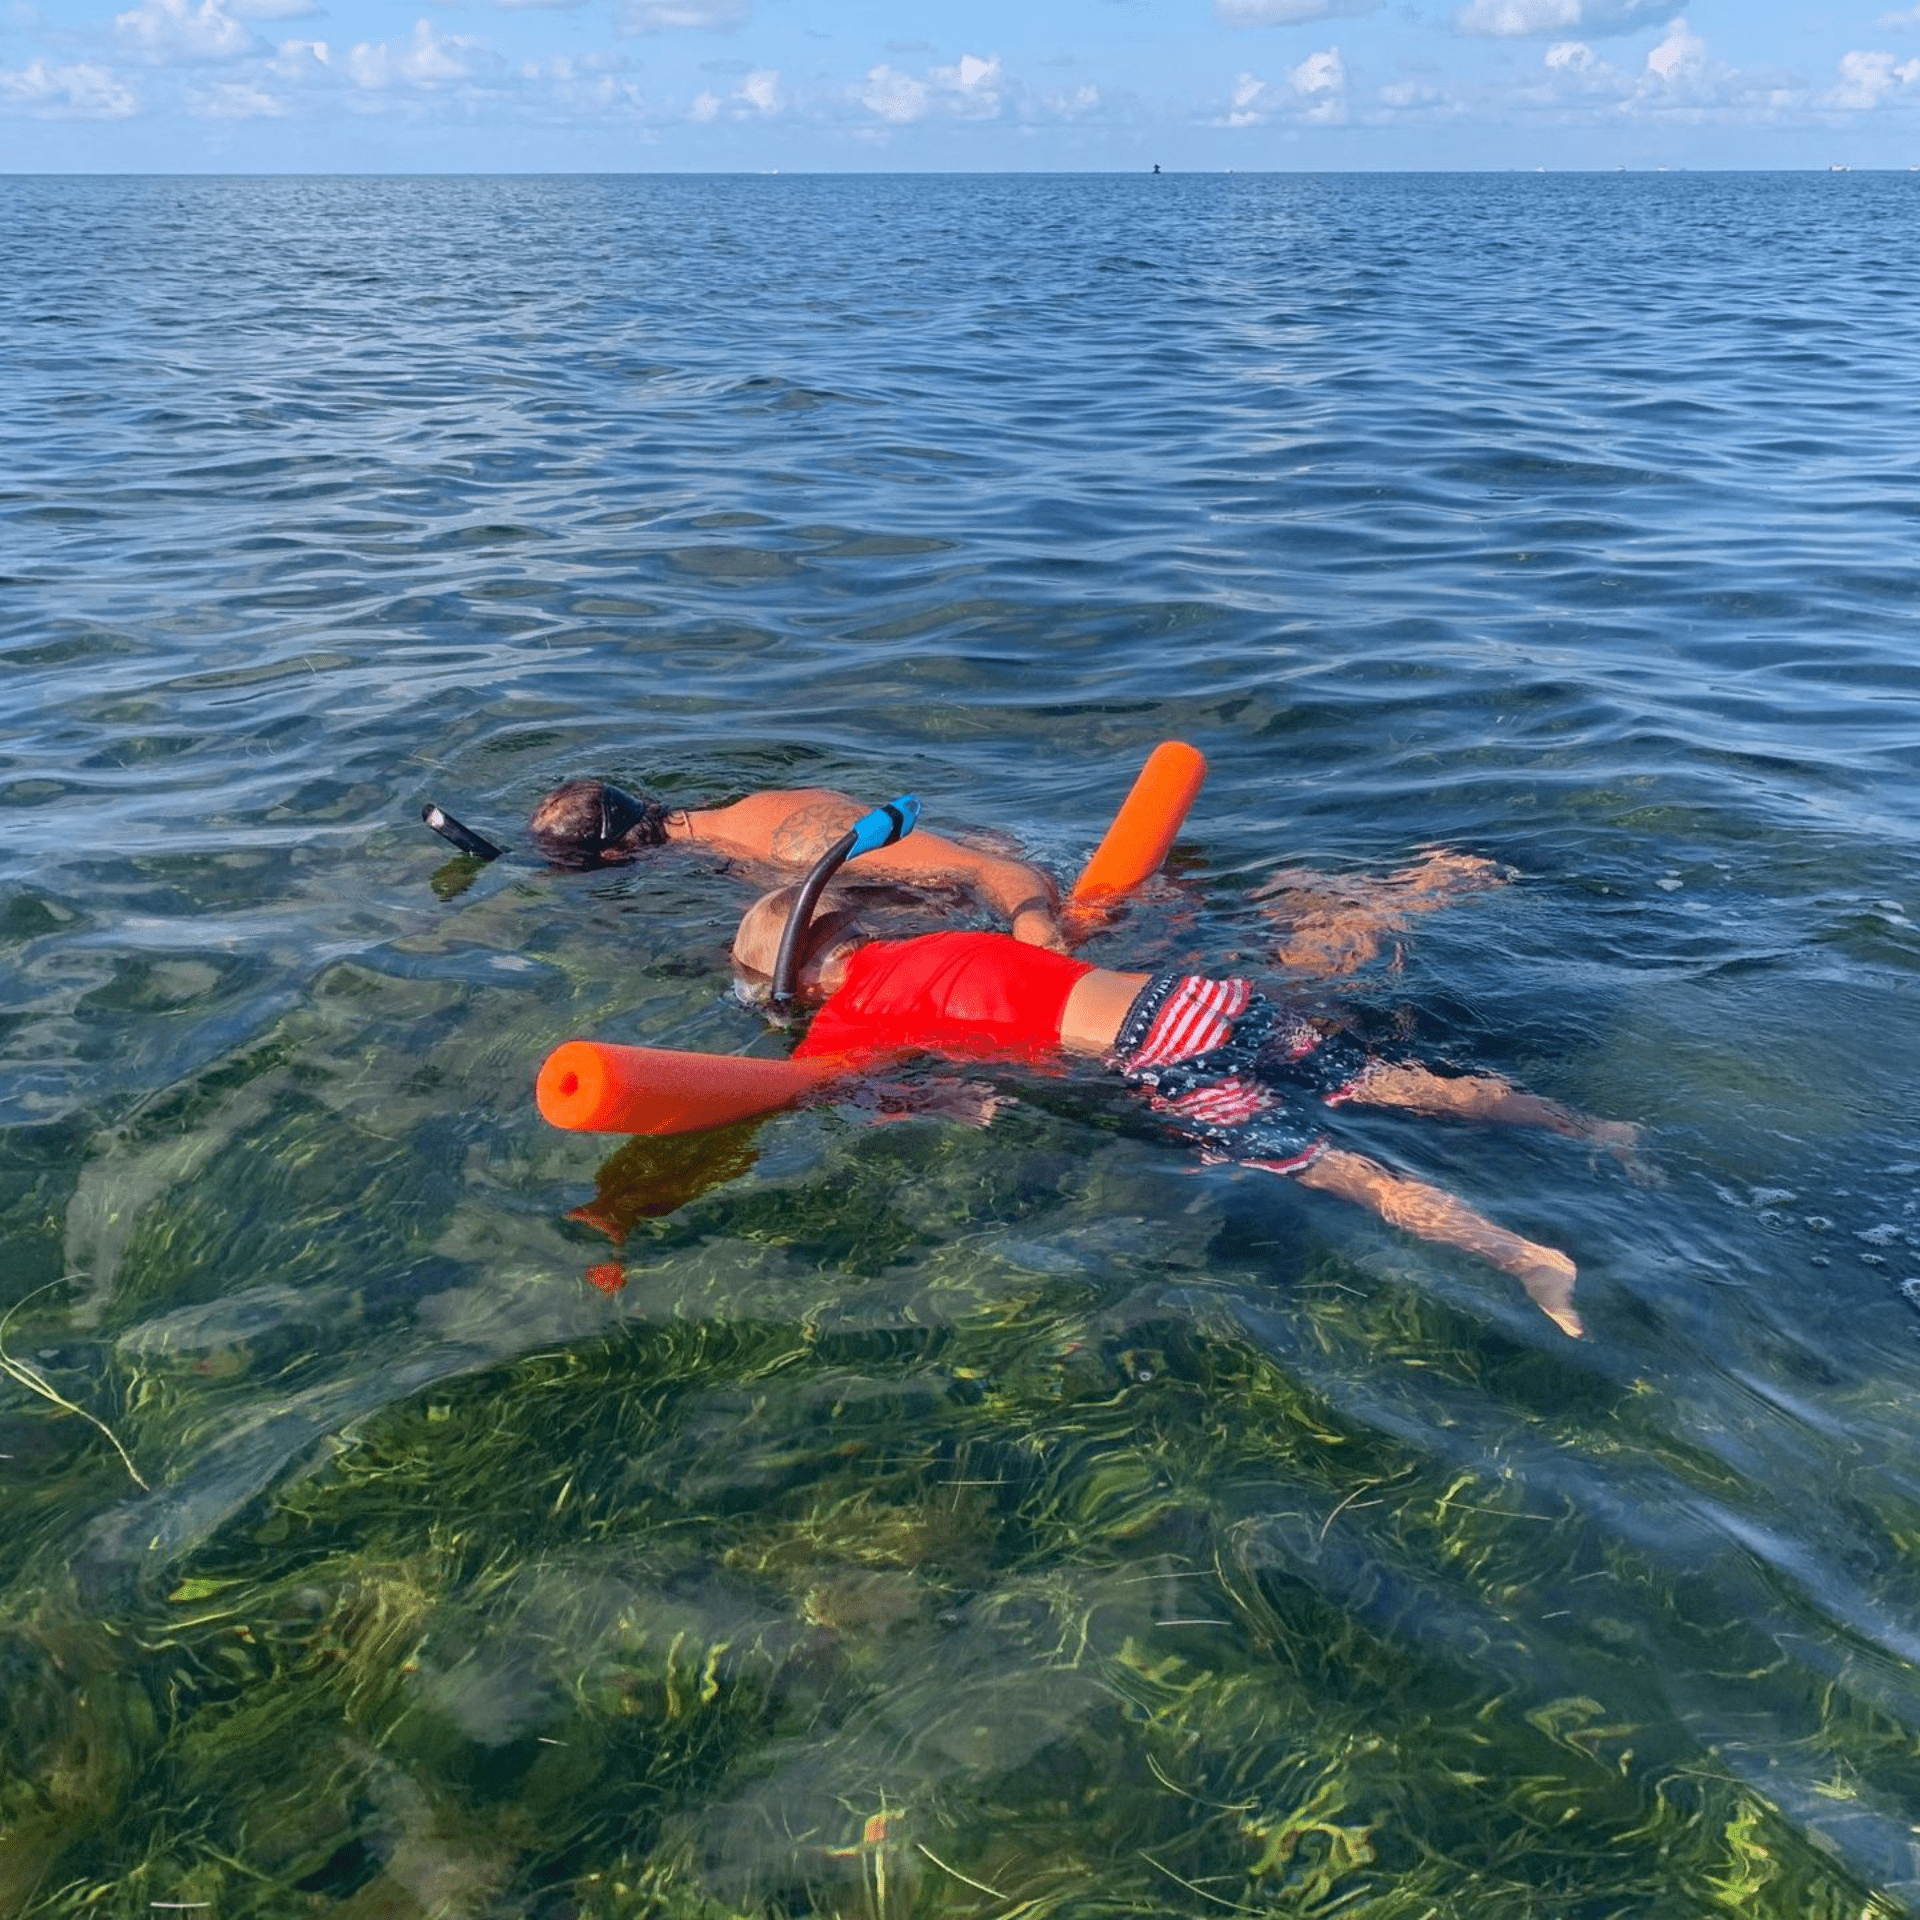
(880, 828)
(449, 829)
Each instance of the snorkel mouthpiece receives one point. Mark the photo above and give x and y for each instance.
(872, 831)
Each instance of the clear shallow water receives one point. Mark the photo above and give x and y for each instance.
(945, 1522)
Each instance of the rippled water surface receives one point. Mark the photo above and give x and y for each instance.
(910, 1519)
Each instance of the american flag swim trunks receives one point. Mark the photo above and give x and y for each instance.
(1230, 1068)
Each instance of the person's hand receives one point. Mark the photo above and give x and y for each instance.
(1620, 1141)
(1036, 924)
(1334, 924)
(1440, 873)
(969, 1103)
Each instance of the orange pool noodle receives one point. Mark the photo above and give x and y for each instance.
(593, 1086)
(1144, 828)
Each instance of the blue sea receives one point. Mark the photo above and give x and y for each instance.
(407, 1509)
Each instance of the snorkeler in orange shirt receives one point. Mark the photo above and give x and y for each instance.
(1248, 1079)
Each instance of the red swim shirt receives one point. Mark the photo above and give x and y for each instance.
(974, 995)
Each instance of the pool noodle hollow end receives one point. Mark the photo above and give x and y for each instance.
(594, 1086)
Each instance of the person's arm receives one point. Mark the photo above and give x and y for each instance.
(1027, 900)
(791, 830)
(1546, 1274)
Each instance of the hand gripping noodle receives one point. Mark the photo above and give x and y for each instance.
(1144, 828)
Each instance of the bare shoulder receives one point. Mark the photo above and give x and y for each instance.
(788, 827)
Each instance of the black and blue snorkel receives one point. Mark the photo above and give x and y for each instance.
(880, 828)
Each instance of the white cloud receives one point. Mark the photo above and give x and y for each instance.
(177, 33)
(1250, 102)
(894, 96)
(1315, 91)
(1075, 104)
(1322, 78)
(1680, 56)
(1286, 13)
(678, 16)
(970, 89)
(1869, 80)
(272, 9)
(758, 96)
(427, 61)
(579, 86)
(81, 92)
(1516, 19)
(302, 76)
(237, 100)
(1680, 77)
(296, 59)
(1677, 72)
(761, 91)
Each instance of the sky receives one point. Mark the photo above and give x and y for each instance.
(457, 86)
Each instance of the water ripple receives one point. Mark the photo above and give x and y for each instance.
(1566, 521)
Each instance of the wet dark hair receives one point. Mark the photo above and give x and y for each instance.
(587, 823)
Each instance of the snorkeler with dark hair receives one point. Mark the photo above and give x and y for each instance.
(592, 823)
(587, 824)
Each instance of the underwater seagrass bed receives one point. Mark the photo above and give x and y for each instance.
(408, 1511)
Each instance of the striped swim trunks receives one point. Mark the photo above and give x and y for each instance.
(1228, 1067)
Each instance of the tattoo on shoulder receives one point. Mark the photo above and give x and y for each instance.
(806, 833)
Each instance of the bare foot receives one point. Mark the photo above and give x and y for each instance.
(1620, 1140)
(1548, 1277)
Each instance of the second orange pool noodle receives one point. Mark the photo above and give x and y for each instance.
(593, 1086)
(1144, 828)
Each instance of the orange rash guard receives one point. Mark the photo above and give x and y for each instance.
(968, 995)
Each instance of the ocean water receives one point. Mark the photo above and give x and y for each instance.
(406, 1509)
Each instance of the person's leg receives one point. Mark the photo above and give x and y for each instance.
(1467, 1096)
(1412, 1205)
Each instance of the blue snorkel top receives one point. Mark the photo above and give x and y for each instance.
(872, 831)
